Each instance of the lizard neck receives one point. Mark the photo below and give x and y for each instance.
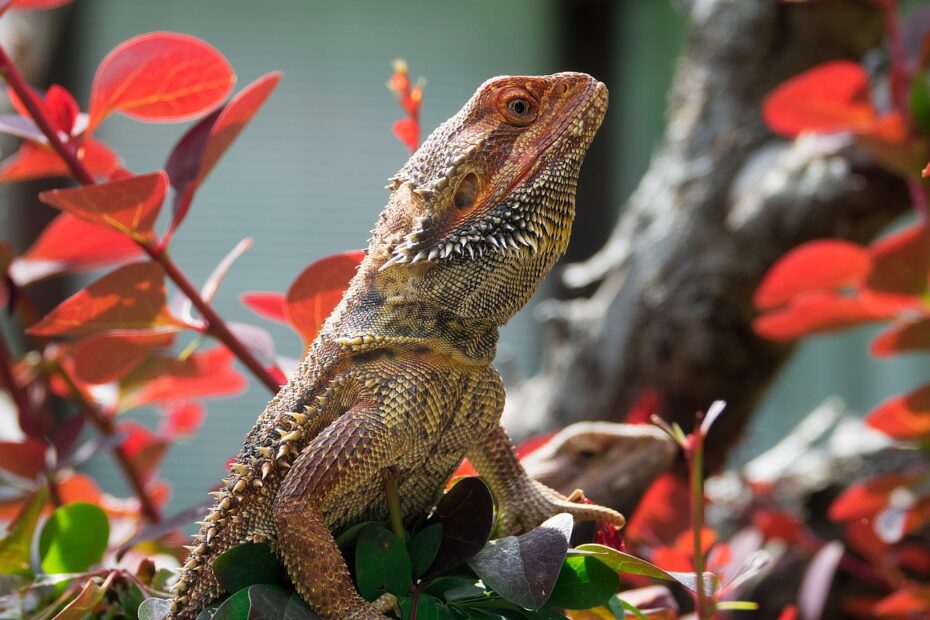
(380, 308)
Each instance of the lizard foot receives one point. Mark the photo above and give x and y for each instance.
(375, 610)
(539, 502)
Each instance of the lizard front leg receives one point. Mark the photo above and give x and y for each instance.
(349, 452)
(524, 503)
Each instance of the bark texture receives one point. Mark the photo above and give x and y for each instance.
(667, 301)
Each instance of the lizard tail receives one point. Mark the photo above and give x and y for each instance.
(228, 524)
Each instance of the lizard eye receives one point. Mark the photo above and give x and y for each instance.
(517, 107)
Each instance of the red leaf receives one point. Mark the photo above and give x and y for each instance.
(904, 417)
(24, 458)
(160, 76)
(34, 5)
(318, 290)
(36, 161)
(864, 499)
(197, 152)
(790, 612)
(272, 306)
(533, 444)
(660, 514)
(817, 312)
(132, 297)
(647, 404)
(903, 337)
(183, 419)
(901, 263)
(144, 448)
(910, 600)
(833, 96)
(779, 525)
(129, 205)
(821, 265)
(62, 109)
(102, 358)
(407, 131)
(169, 380)
(70, 244)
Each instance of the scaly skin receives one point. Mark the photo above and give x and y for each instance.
(400, 377)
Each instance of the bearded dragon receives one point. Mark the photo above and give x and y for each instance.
(400, 377)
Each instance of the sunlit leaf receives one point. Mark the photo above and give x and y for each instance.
(183, 419)
(160, 76)
(863, 499)
(822, 265)
(38, 161)
(128, 205)
(833, 96)
(584, 582)
(911, 600)
(318, 290)
(143, 447)
(166, 380)
(625, 563)
(901, 265)
(905, 417)
(16, 543)
(818, 313)
(272, 306)
(74, 538)
(84, 603)
(71, 244)
(197, 152)
(407, 131)
(132, 297)
(902, 337)
(61, 108)
(104, 357)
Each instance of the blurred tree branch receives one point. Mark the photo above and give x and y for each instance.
(723, 198)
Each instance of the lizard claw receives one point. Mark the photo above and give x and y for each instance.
(540, 502)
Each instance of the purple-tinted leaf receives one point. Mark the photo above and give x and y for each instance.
(258, 340)
(466, 513)
(183, 165)
(815, 587)
(166, 526)
(524, 569)
(21, 127)
(212, 285)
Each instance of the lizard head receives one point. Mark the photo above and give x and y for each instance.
(483, 209)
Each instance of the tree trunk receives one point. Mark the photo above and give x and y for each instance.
(723, 198)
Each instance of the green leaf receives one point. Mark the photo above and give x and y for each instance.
(619, 607)
(524, 569)
(154, 609)
(919, 102)
(84, 603)
(350, 536)
(14, 548)
(737, 606)
(423, 548)
(381, 563)
(267, 601)
(428, 608)
(584, 582)
(625, 563)
(247, 564)
(73, 538)
(466, 513)
(236, 607)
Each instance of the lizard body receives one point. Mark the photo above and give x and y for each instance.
(400, 377)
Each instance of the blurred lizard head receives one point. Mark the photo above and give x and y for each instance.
(483, 209)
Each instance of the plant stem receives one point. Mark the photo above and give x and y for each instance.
(215, 325)
(36, 110)
(104, 425)
(695, 458)
(393, 498)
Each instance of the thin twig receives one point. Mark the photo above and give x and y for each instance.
(104, 425)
